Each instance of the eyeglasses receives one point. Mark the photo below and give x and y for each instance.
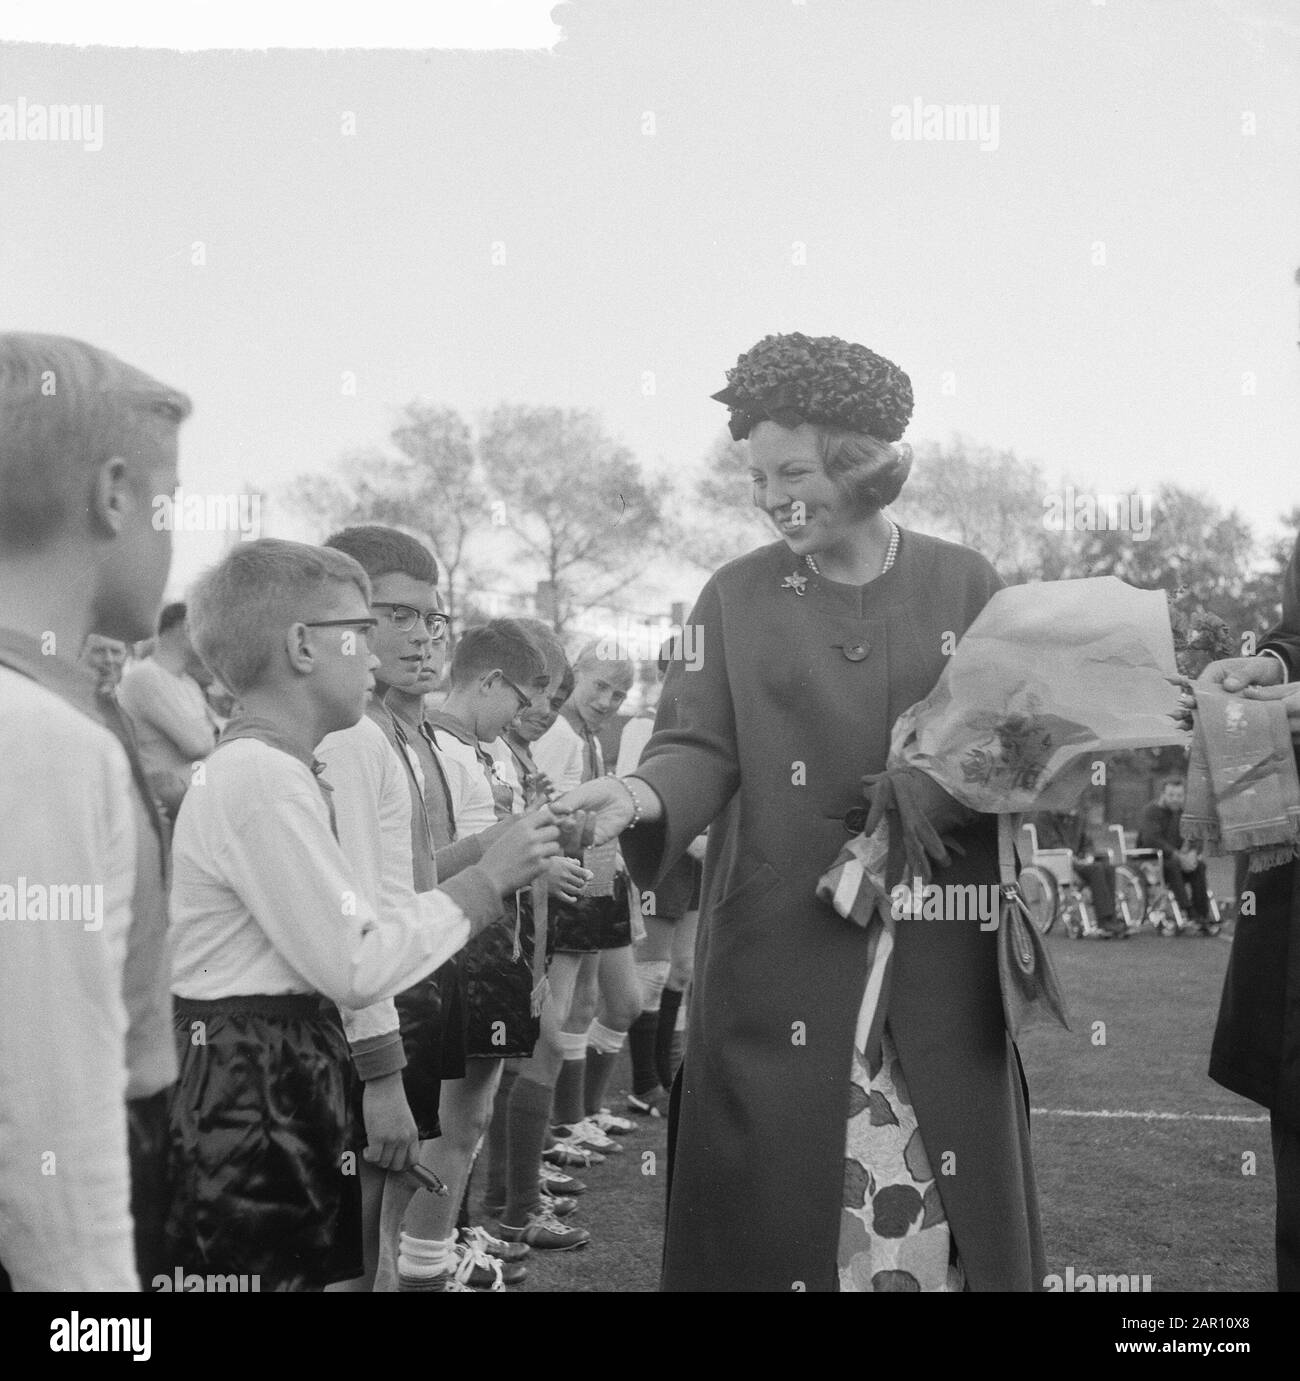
(525, 700)
(367, 627)
(404, 618)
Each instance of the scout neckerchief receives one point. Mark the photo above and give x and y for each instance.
(503, 799)
(530, 779)
(264, 731)
(593, 764)
(76, 685)
(409, 761)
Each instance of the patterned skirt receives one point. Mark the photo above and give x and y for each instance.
(894, 1234)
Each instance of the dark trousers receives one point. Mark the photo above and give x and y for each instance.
(1286, 1171)
(1099, 879)
(147, 1140)
(1188, 888)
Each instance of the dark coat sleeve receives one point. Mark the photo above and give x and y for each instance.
(691, 759)
(1284, 637)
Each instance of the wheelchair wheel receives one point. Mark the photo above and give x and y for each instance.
(1130, 896)
(1042, 897)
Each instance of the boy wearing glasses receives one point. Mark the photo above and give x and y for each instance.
(404, 1050)
(269, 915)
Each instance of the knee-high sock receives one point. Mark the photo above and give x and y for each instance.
(498, 1139)
(530, 1111)
(573, 1072)
(602, 1055)
(641, 1044)
(667, 1058)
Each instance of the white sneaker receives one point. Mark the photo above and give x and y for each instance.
(587, 1133)
(611, 1125)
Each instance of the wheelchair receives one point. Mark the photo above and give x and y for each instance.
(1143, 897)
(1051, 891)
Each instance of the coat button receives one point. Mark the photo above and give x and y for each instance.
(856, 652)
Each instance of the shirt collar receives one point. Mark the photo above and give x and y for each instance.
(457, 728)
(71, 681)
(264, 731)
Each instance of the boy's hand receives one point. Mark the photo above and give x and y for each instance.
(566, 877)
(392, 1139)
(516, 858)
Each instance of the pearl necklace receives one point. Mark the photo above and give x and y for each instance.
(890, 554)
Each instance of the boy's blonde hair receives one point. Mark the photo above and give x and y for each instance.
(65, 408)
(592, 658)
(239, 610)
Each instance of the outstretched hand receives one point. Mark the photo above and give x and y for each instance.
(607, 800)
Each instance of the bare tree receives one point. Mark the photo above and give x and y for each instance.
(432, 487)
(719, 521)
(577, 501)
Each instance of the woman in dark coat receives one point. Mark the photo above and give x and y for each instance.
(1256, 1050)
(796, 1168)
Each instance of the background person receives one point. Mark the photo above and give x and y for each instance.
(1184, 868)
(163, 697)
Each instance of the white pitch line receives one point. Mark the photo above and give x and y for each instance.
(1145, 1116)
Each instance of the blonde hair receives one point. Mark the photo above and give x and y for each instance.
(239, 610)
(65, 408)
(868, 472)
(591, 657)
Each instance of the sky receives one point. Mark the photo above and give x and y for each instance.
(1107, 286)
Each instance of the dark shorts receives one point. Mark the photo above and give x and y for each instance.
(499, 987)
(593, 923)
(263, 1157)
(432, 1018)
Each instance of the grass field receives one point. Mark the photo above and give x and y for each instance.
(1164, 1197)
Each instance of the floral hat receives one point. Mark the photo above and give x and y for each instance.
(795, 378)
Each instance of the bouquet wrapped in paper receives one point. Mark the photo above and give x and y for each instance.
(1047, 678)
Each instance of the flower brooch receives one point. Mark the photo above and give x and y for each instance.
(795, 582)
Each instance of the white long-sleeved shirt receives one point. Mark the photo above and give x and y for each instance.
(264, 901)
(372, 809)
(558, 753)
(65, 822)
(471, 793)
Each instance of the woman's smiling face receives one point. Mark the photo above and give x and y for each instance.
(792, 487)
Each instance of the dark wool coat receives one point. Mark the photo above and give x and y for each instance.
(1256, 1050)
(793, 703)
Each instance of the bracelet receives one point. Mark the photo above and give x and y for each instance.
(636, 804)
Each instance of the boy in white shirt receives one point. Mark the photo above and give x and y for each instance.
(86, 445)
(269, 916)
